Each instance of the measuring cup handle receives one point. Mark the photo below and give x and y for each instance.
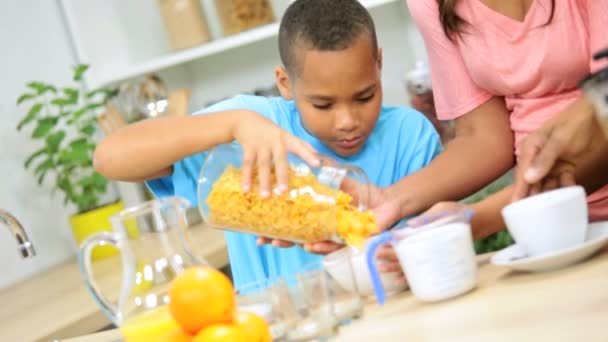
(84, 259)
(370, 253)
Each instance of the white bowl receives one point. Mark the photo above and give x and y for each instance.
(338, 269)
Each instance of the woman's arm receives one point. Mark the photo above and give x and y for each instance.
(481, 151)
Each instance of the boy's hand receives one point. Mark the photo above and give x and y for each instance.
(263, 143)
(387, 259)
(321, 247)
(262, 240)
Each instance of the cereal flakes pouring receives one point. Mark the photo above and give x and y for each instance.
(315, 207)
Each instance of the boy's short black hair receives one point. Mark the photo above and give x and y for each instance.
(325, 25)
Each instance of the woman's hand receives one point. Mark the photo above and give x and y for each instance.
(550, 155)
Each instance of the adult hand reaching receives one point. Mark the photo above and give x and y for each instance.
(550, 155)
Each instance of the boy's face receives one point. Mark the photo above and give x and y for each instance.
(338, 94)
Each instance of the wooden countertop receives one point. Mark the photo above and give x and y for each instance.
(55, 304)
(565, 305)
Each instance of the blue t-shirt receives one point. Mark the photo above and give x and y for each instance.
(402, 142)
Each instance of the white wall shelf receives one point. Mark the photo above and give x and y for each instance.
(127, 57)
(187, 55)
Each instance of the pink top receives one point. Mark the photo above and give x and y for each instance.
(536, 67)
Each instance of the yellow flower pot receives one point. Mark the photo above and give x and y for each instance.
(96, 221)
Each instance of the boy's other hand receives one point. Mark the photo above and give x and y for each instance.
(265, 143)
(262, 240)
(387, 259)
(322, 247)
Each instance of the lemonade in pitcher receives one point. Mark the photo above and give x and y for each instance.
(153, 326)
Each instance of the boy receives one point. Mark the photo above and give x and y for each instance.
(330, 103)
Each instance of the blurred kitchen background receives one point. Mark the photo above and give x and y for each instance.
(199, 51)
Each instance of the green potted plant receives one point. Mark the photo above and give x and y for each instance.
(65, 123)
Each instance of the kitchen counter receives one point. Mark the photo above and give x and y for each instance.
(56, 304)
(565, 305)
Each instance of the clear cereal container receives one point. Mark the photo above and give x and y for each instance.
(325, 203)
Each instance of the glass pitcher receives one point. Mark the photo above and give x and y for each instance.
(154, 247)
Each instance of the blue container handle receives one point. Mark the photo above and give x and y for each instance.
(370, 252)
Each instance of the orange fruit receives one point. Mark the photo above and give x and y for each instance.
(201, 296)
(255, 327)
(221, 333)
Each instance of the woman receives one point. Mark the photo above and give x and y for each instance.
(527, 55)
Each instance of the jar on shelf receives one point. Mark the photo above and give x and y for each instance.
(185, 23)
(325, 203)
(418, 85)
(241, 15)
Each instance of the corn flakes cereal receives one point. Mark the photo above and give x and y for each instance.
(308, 212)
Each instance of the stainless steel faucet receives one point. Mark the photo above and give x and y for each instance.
(26, 248)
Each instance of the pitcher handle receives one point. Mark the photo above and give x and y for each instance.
(370, 253)
(84, 259)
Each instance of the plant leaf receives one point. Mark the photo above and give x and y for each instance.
(79, 70)
(71, 93)
(79, 113)
(94, 181)
(63, 183)
(63, 101)
(41, 87)
(31, 115)
(41, 178)
(80, 143)
(34, 155)
(49, 88)
(44, 127)
(54, 140)
(89, 108)
(37, 86)
(85, 201)
(78, 155)
(107, 92)
(25, 97)
(46, 165)
(90, 121)
(88, 130)
(99, 182)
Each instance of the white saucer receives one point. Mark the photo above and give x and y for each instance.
(514, 257)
